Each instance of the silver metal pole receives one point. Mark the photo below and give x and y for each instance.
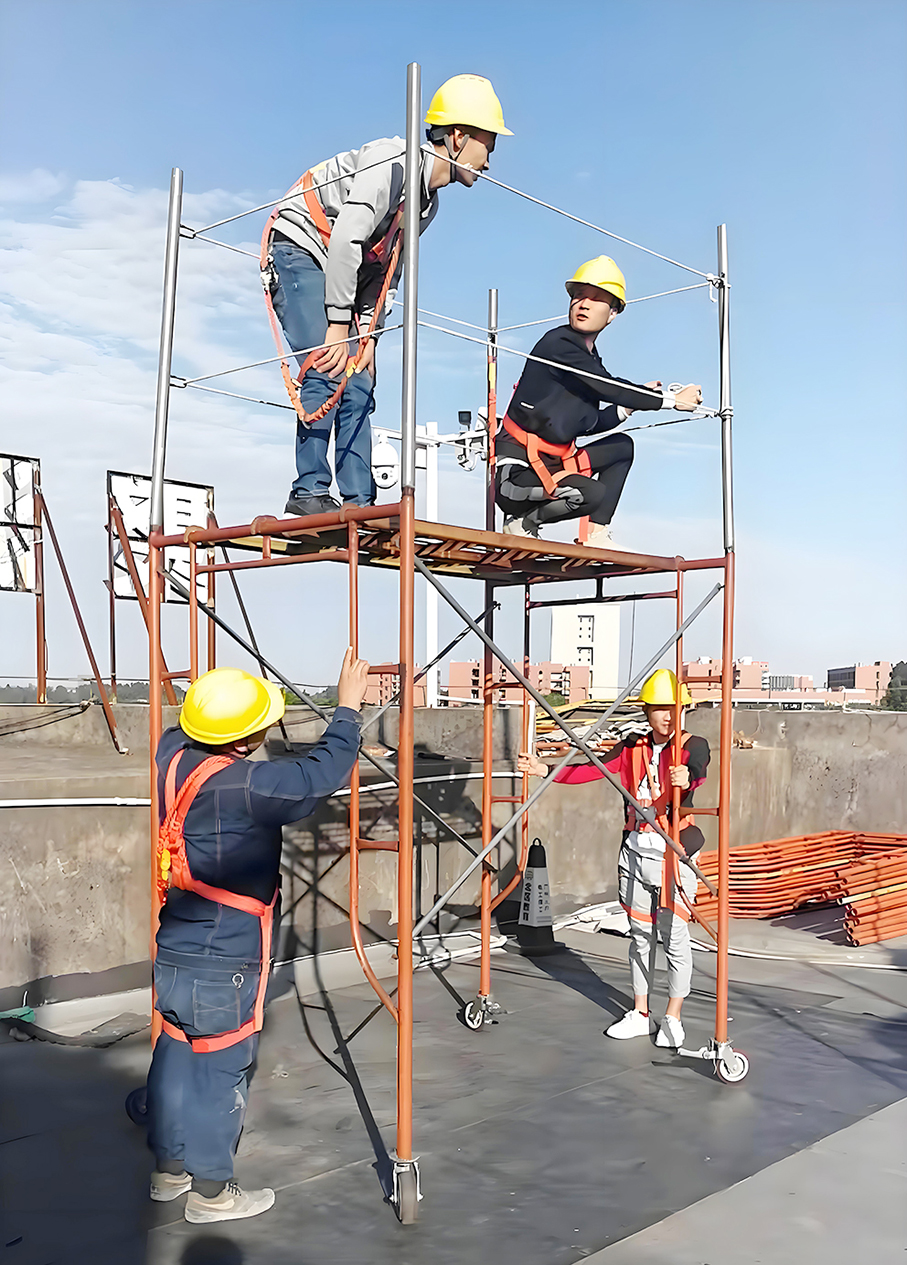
(162, 402)
(433, 676)
(492, 409)
(725, 411)
(412, 212)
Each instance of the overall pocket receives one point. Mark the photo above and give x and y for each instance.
(222, 1002)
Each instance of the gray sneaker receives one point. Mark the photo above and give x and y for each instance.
(321, 503)
(167, 1186)
(231, 1204)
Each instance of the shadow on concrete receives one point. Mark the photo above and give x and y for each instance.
(73, 1167)
(574, 972)
(212, 1249)
(346, 1068)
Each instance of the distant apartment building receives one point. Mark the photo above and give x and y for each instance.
(465, 682)
(383, 686)
(872, 678)
(755, 682)
(589, 636)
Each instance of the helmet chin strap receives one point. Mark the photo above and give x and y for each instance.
(454, 157)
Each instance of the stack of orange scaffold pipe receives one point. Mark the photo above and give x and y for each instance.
(866, 873)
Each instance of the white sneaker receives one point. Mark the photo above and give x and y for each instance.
(602, 539)
(167, 1186)
(670, 1034)
(633, 1024)
(230, 1205)
(520, 527)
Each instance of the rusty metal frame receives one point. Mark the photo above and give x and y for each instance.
(391, 536)
(41, 519)
(36, 529)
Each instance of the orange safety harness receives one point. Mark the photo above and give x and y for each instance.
(641, 769)
(173, 871)
(573, 461)
(385, 252)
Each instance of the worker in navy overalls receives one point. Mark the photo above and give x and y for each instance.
(218, 870)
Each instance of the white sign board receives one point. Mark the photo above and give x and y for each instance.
(185, 505)
(18, 477)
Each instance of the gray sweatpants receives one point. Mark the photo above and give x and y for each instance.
(640, 886)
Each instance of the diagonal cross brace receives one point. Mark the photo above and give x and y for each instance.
(311, 704)
(646, 814)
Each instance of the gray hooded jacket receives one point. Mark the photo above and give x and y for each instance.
(360, 202)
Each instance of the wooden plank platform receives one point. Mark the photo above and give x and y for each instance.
(468, 552)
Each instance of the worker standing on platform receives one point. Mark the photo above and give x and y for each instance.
(219, 873)
(541, 476)
(656, 889)
(331, 262)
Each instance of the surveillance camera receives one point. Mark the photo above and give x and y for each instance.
(464, 417)
(385, 463)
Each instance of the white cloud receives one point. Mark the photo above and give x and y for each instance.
(34, 186)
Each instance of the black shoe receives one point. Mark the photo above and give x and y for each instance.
(303, 505)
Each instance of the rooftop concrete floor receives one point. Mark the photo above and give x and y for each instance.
(541, 1142)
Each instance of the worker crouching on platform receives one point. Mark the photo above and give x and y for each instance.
(541, 476)
(331, 262)
(219, 871)
(656, 889)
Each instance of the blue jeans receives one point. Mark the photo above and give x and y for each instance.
(299, 304)
(197, 1102)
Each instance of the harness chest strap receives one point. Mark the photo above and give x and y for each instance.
(387, 249)
(640, 767)
(174, 871)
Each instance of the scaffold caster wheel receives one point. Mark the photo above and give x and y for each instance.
(137, 1106)
(733, 1069)
(407, 1190)
(474, 1015)
(408, 1197)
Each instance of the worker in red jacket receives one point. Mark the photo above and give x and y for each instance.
(656, 889)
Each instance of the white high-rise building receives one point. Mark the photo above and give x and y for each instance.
(590, 635)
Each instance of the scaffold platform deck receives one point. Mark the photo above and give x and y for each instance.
(448, 549)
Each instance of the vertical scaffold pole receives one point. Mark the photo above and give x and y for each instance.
(111, 608)
(155, 555)
(492, 404)
(431, 595)
(488, 665)
(727, 640)
(677, 744)
(405, 1178)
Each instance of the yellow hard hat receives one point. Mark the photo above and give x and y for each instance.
(470, 101)
(602, 272)
(661, 690)
(227, 704)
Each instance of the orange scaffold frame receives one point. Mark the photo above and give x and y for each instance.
(391, 536)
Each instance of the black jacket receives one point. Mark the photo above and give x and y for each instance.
(561, 406)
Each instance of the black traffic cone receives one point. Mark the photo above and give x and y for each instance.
(534, 931)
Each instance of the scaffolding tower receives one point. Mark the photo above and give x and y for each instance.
(392, 537)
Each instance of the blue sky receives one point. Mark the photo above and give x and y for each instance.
(657, 120)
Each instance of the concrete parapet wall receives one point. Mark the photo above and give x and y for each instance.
(74, 885)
